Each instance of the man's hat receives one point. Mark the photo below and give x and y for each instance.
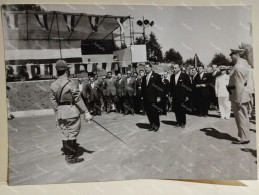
(62, 65)
(236, 51)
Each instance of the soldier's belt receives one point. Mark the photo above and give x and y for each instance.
(65, 103)
(231, 87)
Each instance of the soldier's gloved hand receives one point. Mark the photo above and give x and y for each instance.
(88, 116)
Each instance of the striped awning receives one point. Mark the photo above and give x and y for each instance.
(52, 25)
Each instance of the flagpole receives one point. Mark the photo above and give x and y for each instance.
(59, 37)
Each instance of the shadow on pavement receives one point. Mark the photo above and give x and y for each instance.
(143, 125)
(170, 122)
(216, 134)
(81, 151)
(214, 115)
(253, 130)
(253, 152)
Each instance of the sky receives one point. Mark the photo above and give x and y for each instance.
(202, 29)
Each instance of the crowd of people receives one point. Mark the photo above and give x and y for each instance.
(123, 94)
(148, 93)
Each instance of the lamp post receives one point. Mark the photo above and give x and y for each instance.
(144, 23)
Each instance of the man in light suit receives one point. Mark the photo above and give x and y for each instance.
(214, 100)
(222, 93)
(239, 95)
(130, 92)
(151, 87)
(180, 89)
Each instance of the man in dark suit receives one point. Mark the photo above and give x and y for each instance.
(151, 87)
(180, 89)
(138, 100)
(93, 96)
(130, 92)
(109, 92)
(202, 83)
(165, 93)
(194, 95)
(120, 85)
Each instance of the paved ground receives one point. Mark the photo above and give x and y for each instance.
(202, 150)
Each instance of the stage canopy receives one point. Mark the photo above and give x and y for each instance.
(52, 25)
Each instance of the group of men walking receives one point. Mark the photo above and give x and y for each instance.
(150, 93)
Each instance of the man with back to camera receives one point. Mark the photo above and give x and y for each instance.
(68, 105)
(151, 87)
(239, 95)
(180, 89)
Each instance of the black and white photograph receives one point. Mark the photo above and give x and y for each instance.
(124, 92)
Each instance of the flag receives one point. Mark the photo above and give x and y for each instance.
(197, 62)
(12, 20)
(119, 21)
(42, 20)
(94, 22)
(70, 22)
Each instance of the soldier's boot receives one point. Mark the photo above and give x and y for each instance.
(72, 158)
(65, 149)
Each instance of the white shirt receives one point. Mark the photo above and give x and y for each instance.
(148, 77)
(220, 85)
(128, 80)
(92, 85)
(201, 75)
(80, 86)
(177, 77)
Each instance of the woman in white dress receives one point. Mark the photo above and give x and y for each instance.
(222, 93)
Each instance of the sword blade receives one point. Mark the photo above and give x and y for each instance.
(108, 131)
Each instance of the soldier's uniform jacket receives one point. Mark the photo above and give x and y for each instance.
(66, 99)
(239, 76)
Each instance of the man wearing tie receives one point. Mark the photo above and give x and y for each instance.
(130, 92)
(151, 87)
(93, 96)
(165, 93)
(180, 88)
(202, 83)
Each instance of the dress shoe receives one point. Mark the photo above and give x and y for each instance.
(182, 126)
(155, 129)
(177, 125)
(240, 142)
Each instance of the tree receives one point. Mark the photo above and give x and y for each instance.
(248, 54)
(140, 40)
(154, 49)
(220, 59)
(123, 46)
(189, 61)
(173, 56)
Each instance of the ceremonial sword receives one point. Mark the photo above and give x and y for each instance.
(107, 130)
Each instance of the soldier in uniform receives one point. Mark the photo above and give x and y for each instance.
(68, 105)
(239, 95)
